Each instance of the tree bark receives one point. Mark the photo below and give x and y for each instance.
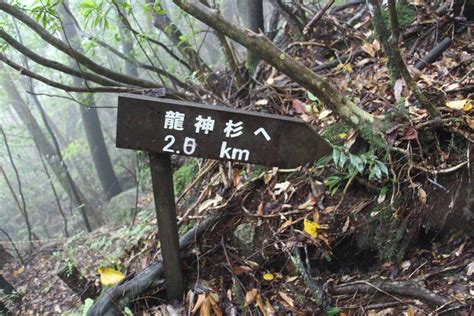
(252, 12)
(90, 118)
(368, 126)
(53, 157)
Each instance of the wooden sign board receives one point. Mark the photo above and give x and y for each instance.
(184, 128)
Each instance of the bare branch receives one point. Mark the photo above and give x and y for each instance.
(54, 64)
(61, 86)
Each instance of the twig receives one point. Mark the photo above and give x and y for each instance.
(317, 17)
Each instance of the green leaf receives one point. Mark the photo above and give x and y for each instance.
(333, 311)
(342, 160)
(336, 153)
(357, 162)
(382, 167)
(312, 97)
(87, 306)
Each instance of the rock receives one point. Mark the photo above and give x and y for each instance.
(119, 210)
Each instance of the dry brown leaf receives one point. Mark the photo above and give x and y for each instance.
(269, 308)
(422, 195)
(200, 300)
(285, 225)
(410, 311)
(250, 296)
(286, 298)
(214, 298)
(260, 209)
(299, 106)
(205, 308)
(235, 177)
(261, 305)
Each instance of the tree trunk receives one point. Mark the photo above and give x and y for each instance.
(90, 117)
(53, 157)
(252, 13)
(126, 40)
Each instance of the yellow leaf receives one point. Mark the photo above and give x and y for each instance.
(19, 271)
(347, 68)
(468, 107)
(465, 105)
(311, 228)
(268, 276)
(342, 135)
(110, 276)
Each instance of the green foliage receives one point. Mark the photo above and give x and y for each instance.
(87, 306)
(184, 175)
(366, 165)
(76, 148)
(45, 13)
(95, 13)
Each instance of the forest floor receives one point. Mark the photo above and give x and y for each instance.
(371, 248)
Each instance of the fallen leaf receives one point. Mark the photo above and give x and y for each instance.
(470, 269)
(281, 187)
(311, 228)
(411, 133)
(250, 296)
(205, 309)
(398, 89)
(235, 177)
(269, 308)
(465, 105)
(421, 195)
(109, 276)
(268, 277)
(19, 271)
(261, 305)
(298, 106)
(324, 114)
(285, 225)
(287, 299)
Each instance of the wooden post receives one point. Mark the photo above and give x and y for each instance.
(162, 181)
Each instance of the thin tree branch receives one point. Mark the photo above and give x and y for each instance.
(61, 86)
(81, 58)
(54, 64)
(23, 209)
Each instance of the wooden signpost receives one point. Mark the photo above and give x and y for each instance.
(163, 127)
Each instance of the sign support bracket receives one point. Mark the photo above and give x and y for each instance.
(163, 192)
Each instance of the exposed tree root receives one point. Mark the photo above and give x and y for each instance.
(406, 288)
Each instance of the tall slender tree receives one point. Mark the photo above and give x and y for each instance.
(51, 155)
(89, 114)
